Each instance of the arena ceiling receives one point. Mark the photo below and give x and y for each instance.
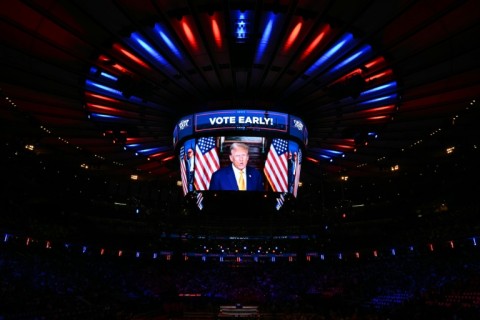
(380, 85)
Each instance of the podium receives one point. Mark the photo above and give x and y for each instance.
(238, 311)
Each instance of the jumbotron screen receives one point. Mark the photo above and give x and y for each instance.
(275, 141)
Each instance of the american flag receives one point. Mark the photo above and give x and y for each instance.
(280, 201)
(276, 165)
(297, 174)
(207, 162)
(200, 200)
(183, 170)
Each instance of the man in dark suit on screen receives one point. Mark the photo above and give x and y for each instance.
(238, 175)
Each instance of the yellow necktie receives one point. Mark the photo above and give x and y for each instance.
(241, 181)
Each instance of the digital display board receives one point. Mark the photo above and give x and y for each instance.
(250, 122)
(241, 120)
(275, 142)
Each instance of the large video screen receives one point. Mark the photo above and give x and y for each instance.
(269, 144)
(278, 162)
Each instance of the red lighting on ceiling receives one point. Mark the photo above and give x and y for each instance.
(135, 140)
(374, 62)
(96, 108)
(355, 72)
(315, 42)
(156, 155)
(104, 60)
(380, 75)
(169, 158)
(100, 97)
(343, 146)
(189, 34)
(292, 37)
(119, 68)
(377, 118)
(312, 160)
(130, 55)
(216, 33)
(378, 109)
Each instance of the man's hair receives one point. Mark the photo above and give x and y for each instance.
(239, 145)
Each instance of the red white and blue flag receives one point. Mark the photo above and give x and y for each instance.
(183, 170)
(207, 162)
(276, 165)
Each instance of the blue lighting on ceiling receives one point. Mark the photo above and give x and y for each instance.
(102, 74)
(108, 76)
(385, 87)
(267, 33)
(363, 51)
(331, 152)
(168, 41)
(143, 43)
(108, 91)
(140, 43)
(132, 145)
(104, 116)
(377, 100)
(93, 70)
(150, 150)
(346, 39)
(91, 85)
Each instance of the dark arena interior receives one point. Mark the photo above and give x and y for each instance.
(360, 117)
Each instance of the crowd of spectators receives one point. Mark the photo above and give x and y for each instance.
(41, 283)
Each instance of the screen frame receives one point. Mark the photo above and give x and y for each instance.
(258, 129)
